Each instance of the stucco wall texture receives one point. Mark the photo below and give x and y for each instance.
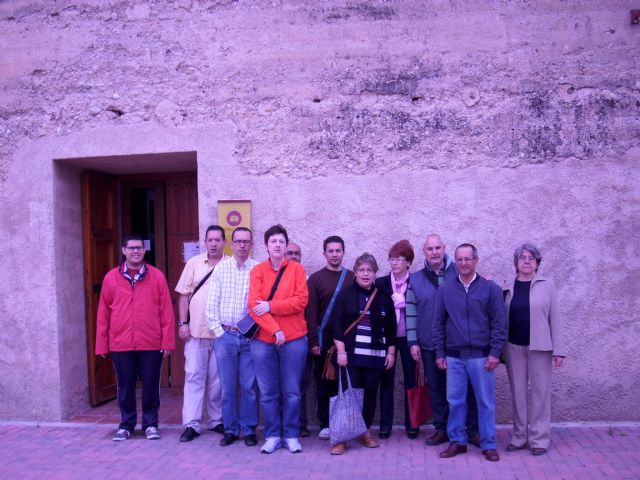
(492, 122)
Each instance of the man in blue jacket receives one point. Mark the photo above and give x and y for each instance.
(469, 331)
(421, 295)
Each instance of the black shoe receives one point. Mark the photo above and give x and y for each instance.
(384, 435)
(219, 428)
(250, 440)
(228, 439)
(304, 432)
(189, 434)
(412, 434)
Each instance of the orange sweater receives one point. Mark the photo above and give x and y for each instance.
(287, 305)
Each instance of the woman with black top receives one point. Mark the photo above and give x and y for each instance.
(395, 285)
(536, 341)
(369, 348)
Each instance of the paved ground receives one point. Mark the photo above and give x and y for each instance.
(85, 451)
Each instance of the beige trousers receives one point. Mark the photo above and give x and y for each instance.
(530, 370)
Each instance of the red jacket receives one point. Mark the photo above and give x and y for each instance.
(287, 306)
(138, 317)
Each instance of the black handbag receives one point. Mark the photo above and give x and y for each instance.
(247, 326)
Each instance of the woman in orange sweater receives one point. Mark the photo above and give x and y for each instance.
(279, 349)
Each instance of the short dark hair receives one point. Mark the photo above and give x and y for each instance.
(276, 230)
(332, 239)
(240, 229)
(132, 236)
(213, 228)
(467, 245)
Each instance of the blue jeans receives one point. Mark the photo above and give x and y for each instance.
(437, 380)
(235, 367)
(278, 370)
(459, 373)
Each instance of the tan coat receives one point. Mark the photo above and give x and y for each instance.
(547, 326)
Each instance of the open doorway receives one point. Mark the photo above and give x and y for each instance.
(163, 208)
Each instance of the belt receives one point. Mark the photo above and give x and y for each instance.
(468, 352)
(230, 328)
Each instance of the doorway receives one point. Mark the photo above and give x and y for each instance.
(163, 209)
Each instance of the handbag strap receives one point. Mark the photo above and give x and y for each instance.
(275, 284)
(346, 371)
(364, 312)
(419, 376)
(327, 312)
(202, 282)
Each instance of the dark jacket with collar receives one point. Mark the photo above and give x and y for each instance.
(469, 320)
(421, 294)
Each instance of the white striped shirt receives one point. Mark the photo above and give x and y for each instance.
(228, 291)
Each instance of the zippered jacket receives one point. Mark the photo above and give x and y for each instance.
(135, 317)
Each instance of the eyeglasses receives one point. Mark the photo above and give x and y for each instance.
(242, 242)
(365, 270)
(397, 260)
(527, 258)
(135, 249)
(291, 253)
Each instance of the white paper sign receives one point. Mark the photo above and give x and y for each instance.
(190, 249)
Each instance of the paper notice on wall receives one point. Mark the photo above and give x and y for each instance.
(190, 250)
(147, 245)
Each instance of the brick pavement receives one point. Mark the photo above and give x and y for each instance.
(85, 451)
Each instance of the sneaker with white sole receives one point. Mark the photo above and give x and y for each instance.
(324, 434)
(152, 433)
(121, 434)
(271, 444)
(293, 444)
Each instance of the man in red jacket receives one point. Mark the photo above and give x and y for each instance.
(136, 326)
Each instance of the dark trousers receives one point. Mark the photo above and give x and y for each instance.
(387, 381)
(128, 366)
(305, 383)
(325, 389)
(437, 380)
(367, 379)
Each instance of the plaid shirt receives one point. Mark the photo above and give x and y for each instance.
(228, 291)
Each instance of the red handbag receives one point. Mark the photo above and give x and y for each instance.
(418, 400)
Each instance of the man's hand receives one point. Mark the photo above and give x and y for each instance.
(279, 338)
(315, 350)
(261, 308)
(415, 353)
(389, 361)
(166, 353)
(491, 363)
(441, 363)
(184, 332)
(557, 361)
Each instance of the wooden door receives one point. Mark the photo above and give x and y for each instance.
(100, 239)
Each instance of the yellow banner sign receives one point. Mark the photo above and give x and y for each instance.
(233, 214)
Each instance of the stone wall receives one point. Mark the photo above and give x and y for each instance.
(490, 122)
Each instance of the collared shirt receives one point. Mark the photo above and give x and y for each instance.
(140, 273)
(228, 292)
(466, 285)
(194, 271)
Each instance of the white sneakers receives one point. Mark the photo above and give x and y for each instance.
(324, 434)
(271, 444)
(152, 433)
(293, 445)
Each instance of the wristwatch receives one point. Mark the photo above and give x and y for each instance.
(181, 324)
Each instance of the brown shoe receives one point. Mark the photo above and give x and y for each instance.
(512, 447)
(538, 451)
(474, 440)
(437, 438)
(491, 455)
(338, 448)
(454, 449)
(368, 441)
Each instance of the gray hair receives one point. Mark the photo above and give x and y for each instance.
(532, 249)
(366, 257)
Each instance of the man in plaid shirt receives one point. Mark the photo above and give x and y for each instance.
(226, 305)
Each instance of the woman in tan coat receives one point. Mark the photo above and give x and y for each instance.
(535, 342)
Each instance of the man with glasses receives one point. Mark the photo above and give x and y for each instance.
(323, 287)
(423, 287)
(226, 304)
(469, 331)
(201, 382)
(136, 326)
